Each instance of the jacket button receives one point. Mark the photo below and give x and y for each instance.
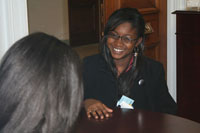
(141, 82)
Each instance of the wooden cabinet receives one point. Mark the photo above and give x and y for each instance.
(155, 42)
(188, 64)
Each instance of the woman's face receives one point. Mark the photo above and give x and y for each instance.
(122, 40)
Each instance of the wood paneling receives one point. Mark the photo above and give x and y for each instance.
(162, 6)
(138, 3)
(109, 7)
(152, 40)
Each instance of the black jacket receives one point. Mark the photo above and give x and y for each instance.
(152, 94)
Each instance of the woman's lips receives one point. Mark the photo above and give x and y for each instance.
(118, 50)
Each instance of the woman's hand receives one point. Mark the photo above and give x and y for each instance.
(96, 109)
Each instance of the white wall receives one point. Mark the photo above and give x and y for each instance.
(13, 22)
(172, 5)
(49, 16)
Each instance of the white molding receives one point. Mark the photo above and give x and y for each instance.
(13, 22)
(179, 4)
(172, 5)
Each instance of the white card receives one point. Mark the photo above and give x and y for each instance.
(125, 105)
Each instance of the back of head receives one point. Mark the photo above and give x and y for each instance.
(40, 86)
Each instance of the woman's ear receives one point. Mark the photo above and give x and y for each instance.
(138, 41)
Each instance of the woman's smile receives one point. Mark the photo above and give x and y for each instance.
(118, 50)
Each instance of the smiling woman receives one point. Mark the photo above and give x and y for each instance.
(121, 71)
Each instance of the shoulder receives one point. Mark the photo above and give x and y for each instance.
(92, 58)
(151, 66)
(151, 62)
(93, 62)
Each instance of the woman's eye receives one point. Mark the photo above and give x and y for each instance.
(126, 39)
(113, 36)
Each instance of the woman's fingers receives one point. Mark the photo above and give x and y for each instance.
(88, 114)
(107, 109)
(101, 115)
(91, 113)
(94, 113)
(106, 113)
(103, 111)
(96, 109)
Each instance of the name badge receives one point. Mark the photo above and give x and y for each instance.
(125, 102)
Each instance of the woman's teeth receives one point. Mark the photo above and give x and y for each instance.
(118, 50)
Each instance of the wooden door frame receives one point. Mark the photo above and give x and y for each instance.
(162, 5)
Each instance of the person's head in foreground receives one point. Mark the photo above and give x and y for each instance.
(40, 86)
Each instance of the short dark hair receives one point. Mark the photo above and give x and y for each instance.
(120, 16)
(41, 86)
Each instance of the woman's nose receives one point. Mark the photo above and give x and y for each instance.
(119, 42)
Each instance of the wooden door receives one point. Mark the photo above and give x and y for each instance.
(84, 22)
